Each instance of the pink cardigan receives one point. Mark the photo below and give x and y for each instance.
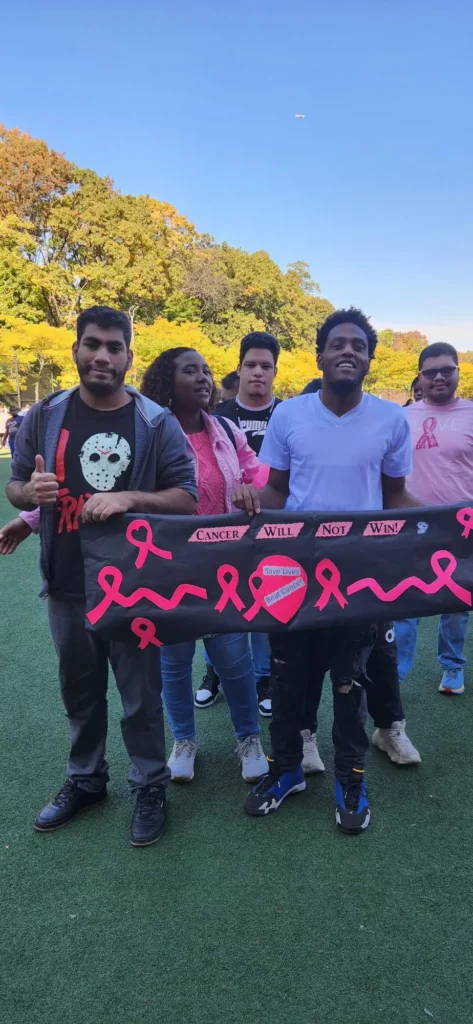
(239, 465)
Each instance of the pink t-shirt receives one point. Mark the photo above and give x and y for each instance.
(442, 452)
(211, 498)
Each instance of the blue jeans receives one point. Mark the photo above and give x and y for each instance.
(261, 655)
(231, 658)
(451, 641)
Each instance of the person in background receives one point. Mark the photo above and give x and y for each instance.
(98, 450)
(442, 451)
(416, 393)
(340, 449)
(229, 386)
(12, 427)
(251, 411)
(181, 380)
(313, 386)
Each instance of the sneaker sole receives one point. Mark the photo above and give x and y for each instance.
(264, 814)
(450, 692)
(380, 745)
(149, 842)
(310, 770)
(352, 831)
(208, 703)
(265, 714)
(182, 778)
(55, 828)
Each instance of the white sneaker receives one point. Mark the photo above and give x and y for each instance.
(396, 744)
(253, 759)
(311, 759)
(181, 762)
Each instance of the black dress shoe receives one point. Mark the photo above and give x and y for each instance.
(65, 805)
(149, 816)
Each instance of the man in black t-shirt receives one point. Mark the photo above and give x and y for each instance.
(253, 406)
(99, 450)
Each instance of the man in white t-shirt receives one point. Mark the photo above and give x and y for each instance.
(442, 474)
(337, 450)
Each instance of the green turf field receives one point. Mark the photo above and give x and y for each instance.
(229, 920)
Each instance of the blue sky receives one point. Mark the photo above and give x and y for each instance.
(194, 103)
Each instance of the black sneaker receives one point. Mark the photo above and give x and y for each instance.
(149, 816)
(65, 805)
(265, 693)
(352, 813)
(208, 692)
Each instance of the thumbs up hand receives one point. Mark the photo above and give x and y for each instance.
(43, 487)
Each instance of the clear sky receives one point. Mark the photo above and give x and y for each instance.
(194, 103)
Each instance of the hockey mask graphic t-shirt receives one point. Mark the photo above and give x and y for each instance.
(94, 454)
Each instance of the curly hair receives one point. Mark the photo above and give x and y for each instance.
(158, 381)
(347, 316)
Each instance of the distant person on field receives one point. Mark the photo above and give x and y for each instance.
(312, 387)
(442, 454)
(12, 427)
(229, 386)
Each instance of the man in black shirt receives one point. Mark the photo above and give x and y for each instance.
(254, 404)
(99, 450)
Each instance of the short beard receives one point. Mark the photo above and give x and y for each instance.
(344, 388)
(98, 388)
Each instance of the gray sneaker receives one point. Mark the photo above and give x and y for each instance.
(253, 759)
(181, 762)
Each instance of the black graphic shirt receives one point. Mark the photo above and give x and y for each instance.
(252, 421)
(94, 454)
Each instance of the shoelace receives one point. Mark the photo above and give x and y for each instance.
(186, 747)
(62, 796)
(452, 674)
(147, 800)
(351, 794)
(249, 747)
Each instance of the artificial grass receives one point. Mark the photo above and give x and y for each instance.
(229, 919)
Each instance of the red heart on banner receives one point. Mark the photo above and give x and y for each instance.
(281, 589)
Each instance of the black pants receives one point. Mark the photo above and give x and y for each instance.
(83, 675)
(381, 682)
(300, 661)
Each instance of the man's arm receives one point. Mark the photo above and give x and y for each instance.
(272, 496)
(176, 489)
(395, 493)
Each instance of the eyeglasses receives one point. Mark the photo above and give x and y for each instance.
(444, 371)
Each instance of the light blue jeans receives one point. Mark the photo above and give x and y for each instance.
(451, 641)
(261, 655)
(230, 655)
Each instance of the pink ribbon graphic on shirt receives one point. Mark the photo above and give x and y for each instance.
(229, 588)
(113, 595)
(330, 584)
(145, 547)
(444, 579)
(146, 631)
(465, 518)
(428, 438)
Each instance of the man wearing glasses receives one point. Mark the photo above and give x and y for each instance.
(442, 449)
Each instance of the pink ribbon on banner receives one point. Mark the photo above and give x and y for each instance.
(229, 588)
(257, 595)
(145, 547)
(465, 518)
(113, 595)
(330, 585)
(444, 579)
(146, 631)
(428, 439)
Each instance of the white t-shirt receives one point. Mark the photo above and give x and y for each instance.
(336, 462)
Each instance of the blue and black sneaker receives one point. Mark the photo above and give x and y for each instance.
(272, 789)
(352, 813)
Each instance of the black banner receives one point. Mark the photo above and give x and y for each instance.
(162, 579)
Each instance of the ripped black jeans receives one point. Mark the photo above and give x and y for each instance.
(300, 660)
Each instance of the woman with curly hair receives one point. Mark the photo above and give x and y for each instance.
(181, 379)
